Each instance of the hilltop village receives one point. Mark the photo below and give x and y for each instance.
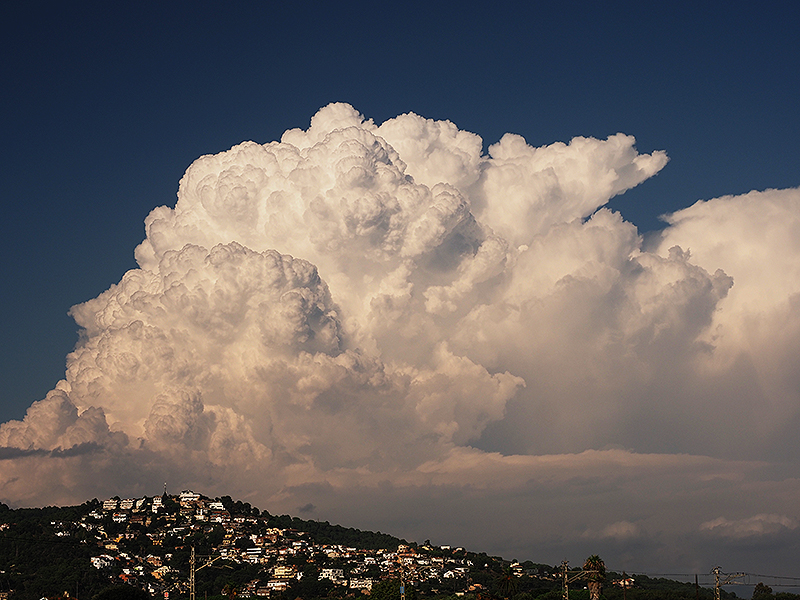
(226, 530)
(165, 544)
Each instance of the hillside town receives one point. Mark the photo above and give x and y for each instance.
(189, 546)
(145, 542)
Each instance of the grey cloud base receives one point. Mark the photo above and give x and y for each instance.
(386, 323)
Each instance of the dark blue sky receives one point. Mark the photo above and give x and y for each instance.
(105, 105)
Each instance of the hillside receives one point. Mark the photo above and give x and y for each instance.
(135, 548)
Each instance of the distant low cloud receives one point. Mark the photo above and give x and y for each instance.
(386, 326)
(756, 526)
(620, 531)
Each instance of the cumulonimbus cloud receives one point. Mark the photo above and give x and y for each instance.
(361, 303)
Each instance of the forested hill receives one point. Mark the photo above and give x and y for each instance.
(323, 532)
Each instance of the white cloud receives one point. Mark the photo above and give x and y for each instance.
(525, 191)
(363, 310)
(754, 238)
(758, 525)
(621, 531)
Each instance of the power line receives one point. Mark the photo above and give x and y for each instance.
(708, 579)
(774, 577)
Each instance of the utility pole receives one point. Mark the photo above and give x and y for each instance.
(718, 583)
(193, 568)
(624, 586)
(191, 571)
(402, 569)
(567, 579)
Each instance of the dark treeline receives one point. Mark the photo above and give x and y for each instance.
(323, 532)
(34, 560)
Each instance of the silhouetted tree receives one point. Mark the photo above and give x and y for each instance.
(595, 576)
(506, 582)
(762, 592)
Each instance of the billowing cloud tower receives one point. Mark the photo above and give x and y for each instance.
(363, 314)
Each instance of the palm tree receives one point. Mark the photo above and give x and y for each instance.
(595, 574)
(506, 582)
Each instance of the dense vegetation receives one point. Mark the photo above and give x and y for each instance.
(34, 560)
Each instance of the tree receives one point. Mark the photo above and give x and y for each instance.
(595, 575)
(506, 582)
(170, 506)
(389, 589)
(762, 592)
